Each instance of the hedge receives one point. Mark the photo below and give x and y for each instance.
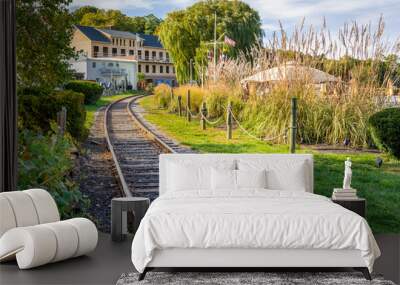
(385, 130)
(37, 110)
(91, 90)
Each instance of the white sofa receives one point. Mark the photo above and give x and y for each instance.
(31, 231)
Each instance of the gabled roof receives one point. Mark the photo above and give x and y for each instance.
(93, 34)
(291, 71)
(119, 34)
(151, 41)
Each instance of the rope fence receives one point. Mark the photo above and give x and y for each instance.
(231, 117)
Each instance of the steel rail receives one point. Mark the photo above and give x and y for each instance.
(121, 178)
(150, 134)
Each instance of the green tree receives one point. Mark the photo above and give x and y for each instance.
(151, 24)
(183, 31)
(44, 32)
(115, 19)
(82, 11)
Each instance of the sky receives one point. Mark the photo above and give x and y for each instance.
(289, 12)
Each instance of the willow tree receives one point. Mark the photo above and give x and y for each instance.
(183, 32)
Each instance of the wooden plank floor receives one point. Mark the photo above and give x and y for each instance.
(110, 260)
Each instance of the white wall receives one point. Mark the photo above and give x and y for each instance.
(95, 72)
(80, 66)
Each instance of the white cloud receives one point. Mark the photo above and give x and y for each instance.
(289, 12)
(290, 9)
(117, 4)
(133, 4)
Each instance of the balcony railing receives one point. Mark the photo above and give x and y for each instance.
(111, 54)
(154, 59)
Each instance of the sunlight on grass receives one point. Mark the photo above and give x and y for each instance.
(381, 187)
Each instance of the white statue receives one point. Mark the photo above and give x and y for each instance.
(347, 174)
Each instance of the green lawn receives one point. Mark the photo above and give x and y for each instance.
(381, 187)
(103, 101)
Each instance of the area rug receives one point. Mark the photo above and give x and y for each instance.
(244, 278)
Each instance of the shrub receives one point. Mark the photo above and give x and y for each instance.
(37, 110)
(45, 162)
(217, 98)
(91, 90)
(197, 96)
(384, 127)
(162, 94)
(149, 88)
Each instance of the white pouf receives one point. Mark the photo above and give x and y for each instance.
(31, 230)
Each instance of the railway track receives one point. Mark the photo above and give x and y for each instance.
(135, 146)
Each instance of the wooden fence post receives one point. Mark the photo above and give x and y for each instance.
(189, 117)
(203, 116)
(229, 121)
(62, 120)
(293, 128)
(180, 105)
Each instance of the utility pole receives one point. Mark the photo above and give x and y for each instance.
(191, 70)
(215, 47)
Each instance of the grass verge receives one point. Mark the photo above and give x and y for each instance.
(381, 187)
(103, 101)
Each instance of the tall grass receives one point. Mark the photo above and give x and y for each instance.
(327, 113)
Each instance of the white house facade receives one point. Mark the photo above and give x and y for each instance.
(116, 73)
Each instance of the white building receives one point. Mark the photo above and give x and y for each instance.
(115, 73)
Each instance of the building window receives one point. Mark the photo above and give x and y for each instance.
(114, 51)
(161, 55)
(153, 54)
(147, 69)
(113, 41)
(94, 64)
(105, 51)
(131, 52)
(133, 43)
(95, 51)
(120, 42)
(167, 69)
(139, 53)
(130, 43)
(154, 69)
(161, 69)
(123, 51)
(124, 41)
(146, 54)
(140, 68)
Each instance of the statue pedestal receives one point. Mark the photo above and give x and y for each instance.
(344, 194)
